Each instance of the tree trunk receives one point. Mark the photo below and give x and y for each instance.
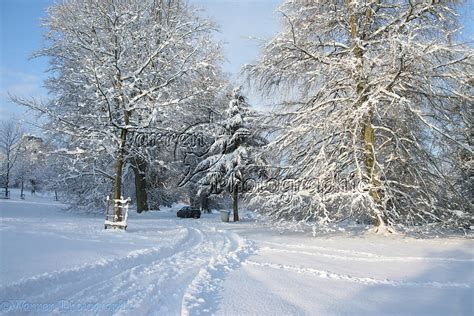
(235, 206)
(368, 133)
(139, 168)
(369, 140)
(193, 198)
(118, 179)
(119, 167)
(22, 196)
(204, 201)
(7, 176)
(33, 186)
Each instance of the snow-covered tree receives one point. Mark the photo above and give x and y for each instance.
(231, 157)
(31, 163)
(11, 135)
(117, 68)
(179, 133)
(375, 90)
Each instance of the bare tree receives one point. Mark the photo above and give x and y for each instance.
(31, 163)
(10, 143)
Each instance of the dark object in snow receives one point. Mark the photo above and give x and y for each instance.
(189, 212)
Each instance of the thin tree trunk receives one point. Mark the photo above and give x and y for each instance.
(7, 177)
(204, 201)
(235, 205)
(22, 196)
(193, 198)
(139, 168)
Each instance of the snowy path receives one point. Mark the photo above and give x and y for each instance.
(168, 266)
(187, 260)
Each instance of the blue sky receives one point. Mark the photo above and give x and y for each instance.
(21, 34)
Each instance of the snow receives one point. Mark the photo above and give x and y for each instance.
(58, 260)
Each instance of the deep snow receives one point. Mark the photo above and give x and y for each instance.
(53, 260)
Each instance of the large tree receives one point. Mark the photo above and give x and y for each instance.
(117, 68)
(375, 90)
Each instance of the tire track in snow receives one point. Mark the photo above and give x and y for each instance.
(362, 280)
(60, 284)
(372, 258)
(192, 273)
(146, 288)
(169, 280)
(210, 277)
(357, 255)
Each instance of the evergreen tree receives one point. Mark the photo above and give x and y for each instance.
(232, 156)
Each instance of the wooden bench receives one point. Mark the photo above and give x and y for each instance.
(112, 220)
(4, 194)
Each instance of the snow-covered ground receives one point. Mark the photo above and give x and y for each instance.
(53, 260)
